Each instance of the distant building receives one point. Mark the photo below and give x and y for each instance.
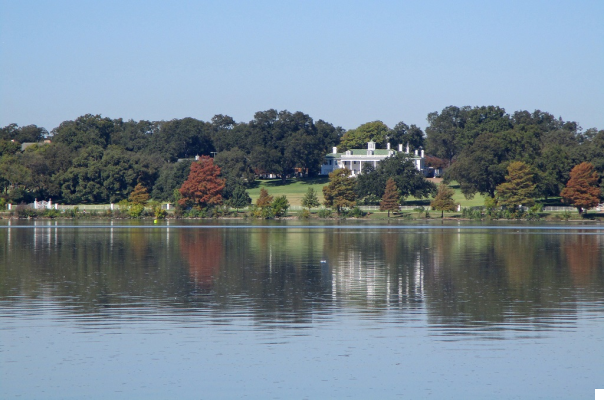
(27, 144)
(354, 159)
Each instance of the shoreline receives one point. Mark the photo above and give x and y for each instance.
(291, 218)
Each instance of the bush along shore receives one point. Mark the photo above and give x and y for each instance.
(157, 214)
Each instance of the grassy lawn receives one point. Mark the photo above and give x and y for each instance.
(477, 200)
(294, 189)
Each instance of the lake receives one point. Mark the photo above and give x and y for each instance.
(100, 310)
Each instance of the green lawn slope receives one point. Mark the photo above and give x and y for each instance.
(295, 188)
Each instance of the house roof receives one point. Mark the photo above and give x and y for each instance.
(363, 152)
(333, 155)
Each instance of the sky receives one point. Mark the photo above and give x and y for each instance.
(346, 62)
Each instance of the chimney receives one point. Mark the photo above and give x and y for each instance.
(334, 150)
(415, 151)
(407, 148)
(400, 147)
(388, 146)
(422, 153)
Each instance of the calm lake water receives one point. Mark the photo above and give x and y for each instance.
(290, 311)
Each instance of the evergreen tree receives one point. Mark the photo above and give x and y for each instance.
(339, 193)
(519, 186)
(310, 199)
(582, 189)
(280, 206)
(239, 198)
(390, 200)
(203, 187)
(443, 201)
(139, 195)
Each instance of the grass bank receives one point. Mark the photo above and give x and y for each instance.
(294, 189)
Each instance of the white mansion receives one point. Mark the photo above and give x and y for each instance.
(355, 158)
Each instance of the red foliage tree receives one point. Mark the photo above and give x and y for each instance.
(391, 199)
(203, 187)
(582, 190)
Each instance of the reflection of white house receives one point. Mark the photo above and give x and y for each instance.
(355, 158)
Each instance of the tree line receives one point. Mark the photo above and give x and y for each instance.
(95, 159)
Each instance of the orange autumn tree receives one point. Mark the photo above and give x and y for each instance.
(139, 195)
(391, 199)
(203, 187)
(582, 190)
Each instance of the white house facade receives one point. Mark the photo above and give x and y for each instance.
(354, 159)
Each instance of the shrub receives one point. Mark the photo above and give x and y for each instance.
(422, 212)
(324, 213)
(357, 213)
(74, 212)
(136, 210)
(51, 213)
(23, 211)
(472, 213)
(304, 214)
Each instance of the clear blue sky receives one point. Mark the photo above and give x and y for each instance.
(347, 62)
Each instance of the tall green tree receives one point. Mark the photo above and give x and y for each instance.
(481, 167)
(444, 131)
(239, 198)
(15, 178)
(87, 130)
(358, 138)
(456, 129)
(284, 141)
(236, 168)
(310, 199)
(181, 138)
(171, 177)
(28, 133)
(405, 134)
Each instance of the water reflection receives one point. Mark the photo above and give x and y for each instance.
(461, 280)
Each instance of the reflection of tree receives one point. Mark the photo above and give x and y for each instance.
(203, 251)
(517, 252)
(455, 277)
(583, 256)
